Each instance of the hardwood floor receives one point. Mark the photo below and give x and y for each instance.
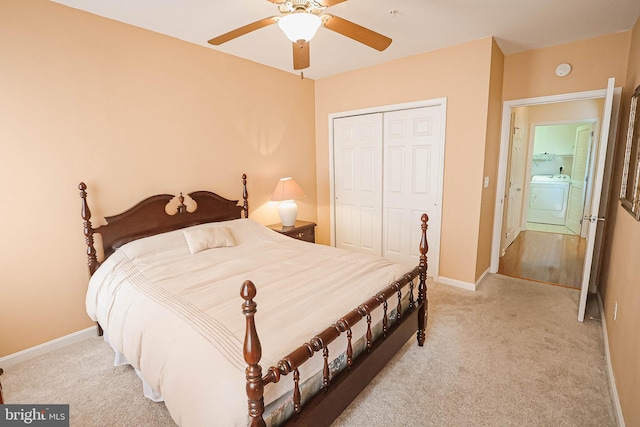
(545, 257)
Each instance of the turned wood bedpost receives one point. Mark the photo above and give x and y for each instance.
(92, 259)
(245, 196)
(422, 286)
(252, 354)
(1, 396)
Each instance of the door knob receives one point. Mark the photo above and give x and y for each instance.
(593, 218)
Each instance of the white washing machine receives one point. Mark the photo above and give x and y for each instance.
(548, 198)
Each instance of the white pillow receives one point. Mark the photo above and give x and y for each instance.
(199, 239)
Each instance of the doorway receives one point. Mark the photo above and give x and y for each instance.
(600, 181)
(550, 160)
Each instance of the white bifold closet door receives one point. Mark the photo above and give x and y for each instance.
(358, 182)
(386, 175)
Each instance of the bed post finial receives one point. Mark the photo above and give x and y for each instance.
(182, 208)
(245, 196)
(252, 354)
(92, 259)
(422, 286)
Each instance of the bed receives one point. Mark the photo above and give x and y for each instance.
(175, 285)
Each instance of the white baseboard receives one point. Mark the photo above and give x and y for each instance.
(46, 347)
(482, 276)
(457, 283)
(612, 379)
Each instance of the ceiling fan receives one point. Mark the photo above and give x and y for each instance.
(300, 19)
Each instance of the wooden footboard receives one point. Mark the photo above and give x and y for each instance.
(339, 391)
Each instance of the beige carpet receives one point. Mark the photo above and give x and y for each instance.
(510, 354)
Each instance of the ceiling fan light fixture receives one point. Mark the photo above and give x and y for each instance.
(300, 26)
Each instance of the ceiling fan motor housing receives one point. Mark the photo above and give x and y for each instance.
(301, 6)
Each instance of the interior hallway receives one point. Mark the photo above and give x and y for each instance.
(545, 257)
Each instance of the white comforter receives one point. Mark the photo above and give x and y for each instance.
(177, 316)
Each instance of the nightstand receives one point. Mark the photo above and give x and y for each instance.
(301, 230)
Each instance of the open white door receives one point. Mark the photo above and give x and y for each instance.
(579, 174)
(592, 216)
(517, 164)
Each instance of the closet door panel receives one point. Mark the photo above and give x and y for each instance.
(412, 146)
(367, 221)
(358, 182)
(394, 231)
(345, 225)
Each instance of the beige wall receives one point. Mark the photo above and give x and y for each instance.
(132, 113)
(531, 74)
(566, 111)
(620, 277)
(563, 112)
(491, 160)
(461, 74)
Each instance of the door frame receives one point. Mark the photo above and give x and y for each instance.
(504, 148)
(434, 268)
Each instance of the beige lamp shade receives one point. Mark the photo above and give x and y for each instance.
(286, 191)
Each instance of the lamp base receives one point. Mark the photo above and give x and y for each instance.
(288, 212)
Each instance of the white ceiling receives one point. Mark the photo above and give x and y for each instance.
(418, 26)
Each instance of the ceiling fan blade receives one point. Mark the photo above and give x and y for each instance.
(301, 55)
(329, 3)
(357, 32)
(243, 30)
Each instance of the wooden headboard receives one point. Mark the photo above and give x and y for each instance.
(149, 217)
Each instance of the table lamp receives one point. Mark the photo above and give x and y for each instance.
(286, 191)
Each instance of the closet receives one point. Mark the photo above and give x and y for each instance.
(387, 172)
